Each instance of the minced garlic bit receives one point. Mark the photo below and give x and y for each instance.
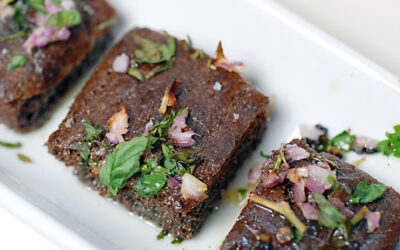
(217, 86)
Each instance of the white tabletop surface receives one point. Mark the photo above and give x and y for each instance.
(370, 27)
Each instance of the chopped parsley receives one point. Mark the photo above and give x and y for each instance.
(65, 18)
(177, 241)
(153, 52)
(162, 234)
(10, 144)
(15, 62)
(242, 193)
(83, 150)
(38, 5)
(367, 192)
(18, 19)
(392, 144)
(92, 132)
(24, 158)
(150, 185)
(56, 2)
(343, 141)
(262, 154)
(135, 72)
(328, 215)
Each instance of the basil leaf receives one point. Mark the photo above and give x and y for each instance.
(328, 215)
(392, 144)
(38, 5)
(150, 185)
(343, 141)
(10, 145)
(15, 62)
(153, 52)
(83, 150)
(92, 132)
(124, 162)
(366, 192)
(65, 18)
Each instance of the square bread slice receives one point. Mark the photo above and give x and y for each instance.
(225, 115)
(30, 91)
(340, 217)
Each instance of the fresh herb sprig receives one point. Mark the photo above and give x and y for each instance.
(390, 146)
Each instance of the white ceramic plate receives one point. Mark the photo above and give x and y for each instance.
(309, 76)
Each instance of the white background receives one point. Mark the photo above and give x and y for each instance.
(370, 27)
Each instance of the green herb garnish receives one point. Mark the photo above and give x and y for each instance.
(38, 5)
(10, 144)
(24, 158)
(152, 52)
(124, 162)
(83, 150)
(392, 144)
(242, 192)
(343, 141)
(56, 2)
(15, 62)
(367, 192)
(108, 23)
(359, 216)
(13, 36)
(150, 185)
(65, 18)
(18, 19)
(162, 234)
(278, 162)
(135, 72)
(177, 241)
(336, 185)
(262, 154)
(328, 215)
(92, 132)
(160, 68)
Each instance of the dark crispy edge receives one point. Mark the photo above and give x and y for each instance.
(26, 114)
(186, 225)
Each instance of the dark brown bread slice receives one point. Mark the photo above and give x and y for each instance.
(28, 93)
(257, 222)
(224, 141)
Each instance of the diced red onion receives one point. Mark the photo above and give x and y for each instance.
(41, 36)
(6, 11)
(121, 63)
(193, 188)
(299, 194)
(173, 183)
(254, 174)
(267, 161)
(295, 153)
(221, 61)
(336, 203)
(318, 178)
(179, 138)
(117, 126)
(272, 179)
(362, 142)
(296, 174)
(148, 126)
(310, 212)
(373, 219)
(180, 121)
(323, 165)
